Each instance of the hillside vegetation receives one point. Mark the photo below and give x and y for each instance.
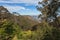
(17, 27)
(13, 23)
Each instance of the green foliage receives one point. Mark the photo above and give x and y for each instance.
(20, 27)
(53, 35)
(8, 30)
(24, 35)
(49, 20)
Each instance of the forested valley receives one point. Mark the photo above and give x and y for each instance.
(14, 26)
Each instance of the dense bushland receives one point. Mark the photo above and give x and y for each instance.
(15, 27)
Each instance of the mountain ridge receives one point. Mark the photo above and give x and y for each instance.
(24, 21)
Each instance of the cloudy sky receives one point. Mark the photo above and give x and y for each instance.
(24, 7)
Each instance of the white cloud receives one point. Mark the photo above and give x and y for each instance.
(20, 1)
(18, 8)
(15, 8)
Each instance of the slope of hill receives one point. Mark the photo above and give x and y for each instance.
(25, 22)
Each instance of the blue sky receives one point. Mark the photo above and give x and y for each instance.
(24, 7)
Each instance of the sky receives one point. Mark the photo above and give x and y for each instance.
(23, 7)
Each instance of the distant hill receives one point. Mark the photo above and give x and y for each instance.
(24, 21)
(35, 17)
